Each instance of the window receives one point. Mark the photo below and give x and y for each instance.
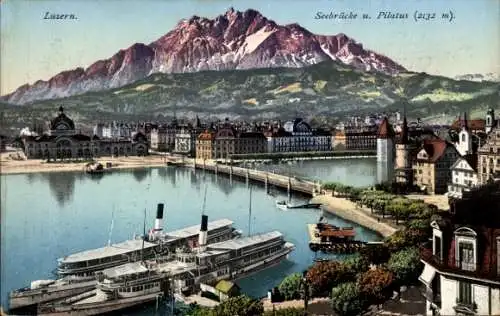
(437, 246)
(464, 293)
(466, 256)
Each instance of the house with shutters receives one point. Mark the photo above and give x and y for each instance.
(461, 273)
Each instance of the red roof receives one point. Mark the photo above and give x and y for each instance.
(385, 129)
(477, 124)
(206, 135)
(435, 148)
(338, 233)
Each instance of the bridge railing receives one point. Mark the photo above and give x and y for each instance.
(296, 184)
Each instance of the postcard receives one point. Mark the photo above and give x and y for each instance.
(232, 157)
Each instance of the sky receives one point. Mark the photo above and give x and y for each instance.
(32, 48)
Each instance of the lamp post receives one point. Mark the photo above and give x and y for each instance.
(305, 288)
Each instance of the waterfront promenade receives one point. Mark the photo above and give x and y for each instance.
(8, 165)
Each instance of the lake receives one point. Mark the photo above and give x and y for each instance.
(46, 216)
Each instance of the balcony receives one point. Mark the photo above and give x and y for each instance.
(462, 268)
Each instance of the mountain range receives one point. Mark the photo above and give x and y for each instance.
(324, 92)
(234, 40)
(243, 65)
(479, 77)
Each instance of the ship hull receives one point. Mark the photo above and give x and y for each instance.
(99, 307)
(261, 265)
(39, 296)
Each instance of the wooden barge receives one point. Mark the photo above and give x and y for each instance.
(329, 238)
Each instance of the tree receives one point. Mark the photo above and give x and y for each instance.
(235, 306)
(406, 237)
(323, 276)
(347, 301)
(375, 254)
(290, 286)
(356, 264)
(406, 265)
(376, 285)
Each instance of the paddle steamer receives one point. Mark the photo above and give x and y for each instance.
(140, 282)
(77, 271)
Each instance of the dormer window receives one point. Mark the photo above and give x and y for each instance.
(437, 241)
(465, 249)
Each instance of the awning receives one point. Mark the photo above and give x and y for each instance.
(427, 275)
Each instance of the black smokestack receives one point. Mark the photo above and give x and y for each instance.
(204, 223)
(159, 211)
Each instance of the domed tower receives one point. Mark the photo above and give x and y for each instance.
(62, 125)
(403, 167)
(385, 152)
(464, 145)
(490, 120)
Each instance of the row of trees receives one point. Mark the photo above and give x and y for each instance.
(383, 203)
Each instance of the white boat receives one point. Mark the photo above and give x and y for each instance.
(139, 282)
(282, 205)
(78, 270)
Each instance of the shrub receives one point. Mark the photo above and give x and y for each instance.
(406, 266)
(290, 287)
(347, 301)
(376, 285)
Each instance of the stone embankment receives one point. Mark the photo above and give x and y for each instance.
(348, 210)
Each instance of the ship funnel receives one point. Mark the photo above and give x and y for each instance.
(202, 241)
(159, 217)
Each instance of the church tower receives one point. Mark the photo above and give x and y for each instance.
(464, 145)
(385, 152)
(403, 167)
(490, 120)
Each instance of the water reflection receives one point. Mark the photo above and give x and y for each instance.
(163, 172)
(141, 174)
(62, 185)
(31, 177)
(223, 182)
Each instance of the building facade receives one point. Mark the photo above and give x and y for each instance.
(364, 138)
(205, 145)
(432, 168)
(298, 136)
(251, 143)
(158, 139)
(463, 176)
(461, 273)
(185, 142)
(489, 157)
(338, 140)
(63, 141)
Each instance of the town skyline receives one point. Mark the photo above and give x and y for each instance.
(436, 47)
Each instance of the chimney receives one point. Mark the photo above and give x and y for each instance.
(202, 239)
(159, 218)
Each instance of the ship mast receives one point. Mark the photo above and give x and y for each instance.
(143, 236)
(250, 212)
(204, 202)
(112, 225)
